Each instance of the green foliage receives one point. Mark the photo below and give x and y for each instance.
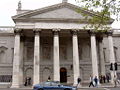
(102, 9)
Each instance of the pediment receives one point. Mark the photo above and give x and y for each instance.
(61, 13)
(58, 11)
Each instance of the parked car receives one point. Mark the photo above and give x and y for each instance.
(52, 85)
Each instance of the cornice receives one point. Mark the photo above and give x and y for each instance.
(53, 20)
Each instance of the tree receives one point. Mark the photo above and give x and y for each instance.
(103, 10)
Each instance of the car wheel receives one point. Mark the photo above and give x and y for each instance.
(67, 89)
(40, 89)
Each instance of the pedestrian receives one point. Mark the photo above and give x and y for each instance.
(49, 79)
(29, 81)
(100, 77)
(108, 78)
(115, 81)
(96, 81)
(91, 81)
(104, 78)
(25, 81)
(78, 81)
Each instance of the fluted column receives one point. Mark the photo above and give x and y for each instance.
(94, 55)
(36, 73)
(102, 61)
(111, 53)
(75, 56)
(16, 60)
(56, 64)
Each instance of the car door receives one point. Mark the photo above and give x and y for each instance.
(52, 86)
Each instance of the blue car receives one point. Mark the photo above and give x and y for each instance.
(52, 85)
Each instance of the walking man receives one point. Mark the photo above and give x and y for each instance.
(91, 81)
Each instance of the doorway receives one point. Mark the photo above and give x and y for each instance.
(29, 77)
(63, 75)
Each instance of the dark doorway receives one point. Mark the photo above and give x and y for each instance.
(63, 75)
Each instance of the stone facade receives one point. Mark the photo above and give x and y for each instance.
(50, 42)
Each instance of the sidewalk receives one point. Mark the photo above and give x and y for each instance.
(104, 86)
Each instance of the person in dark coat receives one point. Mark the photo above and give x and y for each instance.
(96, 81)
(108, 78)
(78, 81)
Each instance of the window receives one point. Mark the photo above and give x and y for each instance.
(5, 78)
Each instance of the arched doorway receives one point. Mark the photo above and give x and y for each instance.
(45, 74)
(29, 77)
(63, 75)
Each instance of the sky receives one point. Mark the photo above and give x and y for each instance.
(8, 9)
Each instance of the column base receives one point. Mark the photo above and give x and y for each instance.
(15, 86)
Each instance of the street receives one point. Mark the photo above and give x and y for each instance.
(117, 88)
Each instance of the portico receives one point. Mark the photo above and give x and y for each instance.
(57, 35)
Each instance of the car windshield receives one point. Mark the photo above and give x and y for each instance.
(51, 83)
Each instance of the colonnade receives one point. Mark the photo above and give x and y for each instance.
(17, 72)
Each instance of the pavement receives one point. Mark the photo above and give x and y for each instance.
(106, 86)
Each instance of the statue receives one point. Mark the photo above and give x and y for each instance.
(19, 5)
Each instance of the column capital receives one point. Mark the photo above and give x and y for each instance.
(92, 32)
(74, 31)
(37, 30)
(109, 32)
(56, 30)
(17, 30)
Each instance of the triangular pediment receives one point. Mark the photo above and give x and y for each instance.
(62, 11)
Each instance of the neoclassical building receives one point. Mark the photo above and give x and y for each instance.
(52, 42)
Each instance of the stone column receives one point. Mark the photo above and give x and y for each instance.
(56, 64)
(94, 55)
(36, 73)
(111, 54)
(16, 60)
(21, 61)
(75, 57)
(101, 57)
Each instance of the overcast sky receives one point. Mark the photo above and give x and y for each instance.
(8, 9)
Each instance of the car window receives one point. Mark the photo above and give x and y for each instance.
(54, 84)
(47, 84)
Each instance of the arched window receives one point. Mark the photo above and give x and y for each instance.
(46, 73)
